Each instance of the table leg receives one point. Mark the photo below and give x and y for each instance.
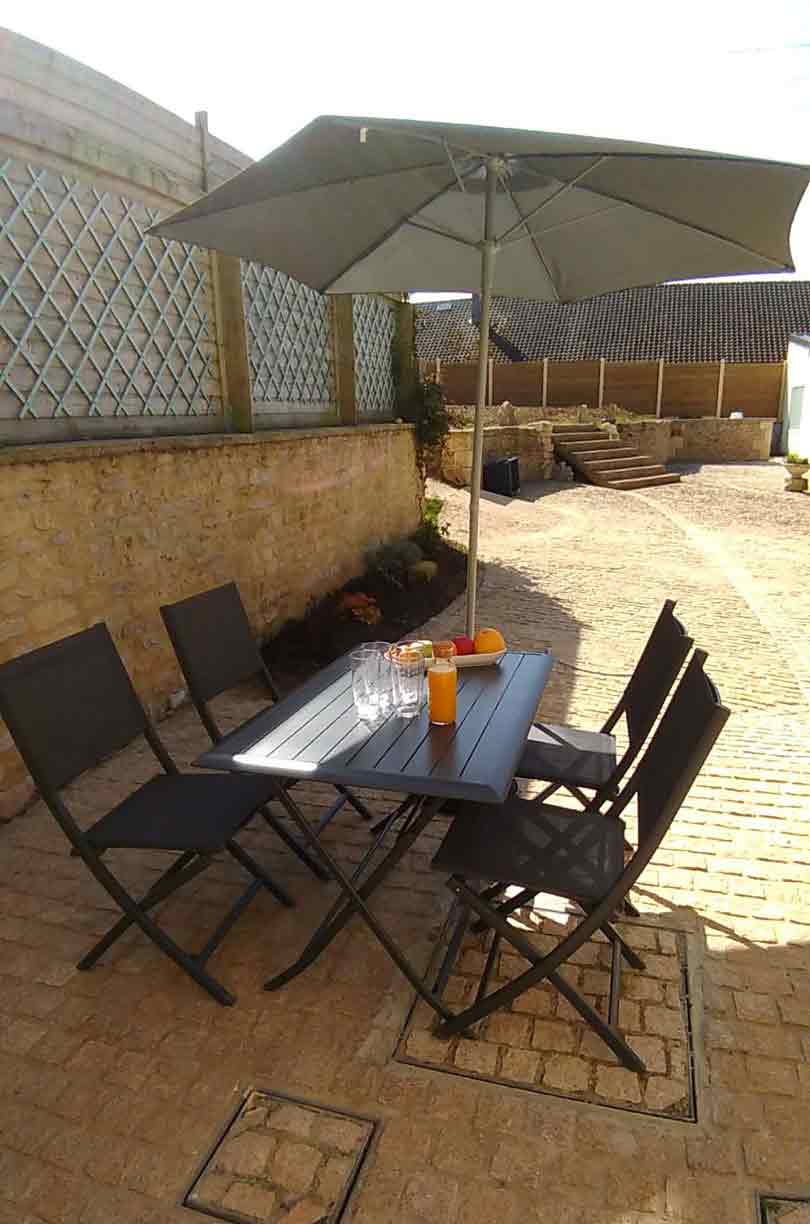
(355, 901)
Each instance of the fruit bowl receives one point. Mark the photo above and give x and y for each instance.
(480, 660)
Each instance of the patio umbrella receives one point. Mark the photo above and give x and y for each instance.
(359, 205)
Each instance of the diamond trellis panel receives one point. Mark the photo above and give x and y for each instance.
(289, 343)
(96, 319)
(373, 374)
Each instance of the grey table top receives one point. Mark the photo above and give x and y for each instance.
(315, 733)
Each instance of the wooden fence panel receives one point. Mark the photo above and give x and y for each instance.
(631, 384)
(520, 382)
(690, 390)
(573, 382)
(458, 382)
(752, 389)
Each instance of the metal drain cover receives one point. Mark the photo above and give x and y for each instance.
(280, 1160)
(784, 1209)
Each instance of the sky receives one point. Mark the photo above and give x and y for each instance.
(718, 75)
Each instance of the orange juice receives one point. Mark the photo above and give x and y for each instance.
(442, 694)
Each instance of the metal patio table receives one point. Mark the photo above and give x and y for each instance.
(315, 733)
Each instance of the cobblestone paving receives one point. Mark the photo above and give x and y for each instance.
(282, 1162)
(542, 1043)
(114, 1083)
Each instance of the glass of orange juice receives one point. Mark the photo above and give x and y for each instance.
(442, 678)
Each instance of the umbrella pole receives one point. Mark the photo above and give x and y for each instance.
(488, 251)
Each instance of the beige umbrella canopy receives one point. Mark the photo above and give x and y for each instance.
(359, 205)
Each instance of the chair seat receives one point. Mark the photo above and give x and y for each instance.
(585, 758)
(538, 846)
(182, 812)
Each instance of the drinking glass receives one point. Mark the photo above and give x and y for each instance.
(382, 683)
(408, 675)
(442, 686)
(371, 680)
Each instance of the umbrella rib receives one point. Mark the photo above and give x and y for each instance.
(699, 229)
(532, 238)
(441, 233)
(556, 225)
(388, 234)
(555, 195)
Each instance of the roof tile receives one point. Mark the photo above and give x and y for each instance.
(703, 321)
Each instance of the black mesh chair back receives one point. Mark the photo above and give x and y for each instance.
(69, 705)
(216, 650)
(215, 647)
(653, 676)
(675, 754)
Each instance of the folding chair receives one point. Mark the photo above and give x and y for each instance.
(586, 760)
(535, 847)
(216, 650)
(70, 705)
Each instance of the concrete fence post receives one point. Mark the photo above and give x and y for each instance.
(659, 390)
(341, 320)
(721, 378)
(229, 319)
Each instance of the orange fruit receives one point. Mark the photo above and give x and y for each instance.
(487, 641)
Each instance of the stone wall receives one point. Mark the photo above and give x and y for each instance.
(653, 438)
(92, 531)
(708, 440)
(531, 443)
(713, 440)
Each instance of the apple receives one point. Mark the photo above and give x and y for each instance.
(464, 645)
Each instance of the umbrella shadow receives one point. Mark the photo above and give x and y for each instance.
(530, 619)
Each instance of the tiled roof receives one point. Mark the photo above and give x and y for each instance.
(728, 320)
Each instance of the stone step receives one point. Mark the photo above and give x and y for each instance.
(623, 461)
(564, 441)
(598, 443)
(644, 482)
(572, 429)
(631, 473)
(613, 452)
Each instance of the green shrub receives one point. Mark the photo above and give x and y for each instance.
(431, 532)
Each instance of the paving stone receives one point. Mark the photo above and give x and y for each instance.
(478, 1056)
(423, 1046)
(292, 1119)
(717, 1153)
(341, 1133)
(550, 1035)
(333, 1176)
(752, 1006)
(770, 1075)
(662, 1022)
(652, 1052)
(432, 1196)
(294, 1165)
(538, 1000)
(258, 1202)
(246, 1155)
(618, 1084)
(212, 1188)
(520, 1065)
(508, 1029)
(566, 1074)
(307, 1211)
(661, 1093)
